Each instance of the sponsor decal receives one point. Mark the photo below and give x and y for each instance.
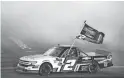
(46, 61)
(99, 58)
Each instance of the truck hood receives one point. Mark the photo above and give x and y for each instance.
(36, 57)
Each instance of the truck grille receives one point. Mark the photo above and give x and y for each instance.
(24, 63)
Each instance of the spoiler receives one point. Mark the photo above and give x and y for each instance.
(103, 52)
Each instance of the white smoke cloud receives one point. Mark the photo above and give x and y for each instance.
(60, 22)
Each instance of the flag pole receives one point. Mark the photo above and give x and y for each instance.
(74, 40)
(83, 25)
(72, 45)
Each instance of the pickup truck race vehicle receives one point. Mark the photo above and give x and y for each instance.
(60, 59)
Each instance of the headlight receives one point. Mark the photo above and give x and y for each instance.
(33, 62)
(27, 62)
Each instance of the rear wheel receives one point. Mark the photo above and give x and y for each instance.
(45, 69)
(94, 67)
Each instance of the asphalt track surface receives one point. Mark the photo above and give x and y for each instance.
(112, 72)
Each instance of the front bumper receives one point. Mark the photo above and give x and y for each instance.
(27, 69)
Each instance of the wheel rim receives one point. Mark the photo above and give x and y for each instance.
(45, 70)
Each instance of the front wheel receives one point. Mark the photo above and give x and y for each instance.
(45, 69)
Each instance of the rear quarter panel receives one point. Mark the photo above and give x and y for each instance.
(103, 61)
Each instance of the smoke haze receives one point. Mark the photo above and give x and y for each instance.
(41, 25)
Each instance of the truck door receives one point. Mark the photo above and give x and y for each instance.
(70, 60)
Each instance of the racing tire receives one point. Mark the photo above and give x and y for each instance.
(94, 67)
(45, 69)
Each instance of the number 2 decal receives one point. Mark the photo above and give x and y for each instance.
(69, 63)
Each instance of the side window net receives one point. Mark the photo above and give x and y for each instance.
(65, 53)
(71, 53)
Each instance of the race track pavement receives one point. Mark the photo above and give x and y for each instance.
(111, 72)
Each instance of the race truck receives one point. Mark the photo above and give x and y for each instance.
(62, 58)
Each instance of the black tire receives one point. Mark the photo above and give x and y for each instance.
(94, 67)
(45, 69)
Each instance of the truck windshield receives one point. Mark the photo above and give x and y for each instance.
(55, 51)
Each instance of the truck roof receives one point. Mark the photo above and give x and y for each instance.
(66, 46)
